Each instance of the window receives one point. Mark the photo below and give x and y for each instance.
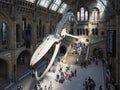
(71, 19)
(87, 32)
(95, 14)
(86, 15)
(40, 28)
(44, 3)
(80, 31)
(93, 31)
(4, 33)
(62, 8)
(17, 33)
(83, 31)
(78, 16)
(24, 23)
(96, 31)
(31, 1)
(82, 14)
(54, 6)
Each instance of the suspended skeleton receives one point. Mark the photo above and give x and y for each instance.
(49, 42)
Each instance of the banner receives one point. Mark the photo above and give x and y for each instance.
(111, 43)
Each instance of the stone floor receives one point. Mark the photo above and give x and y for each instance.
(94, 71)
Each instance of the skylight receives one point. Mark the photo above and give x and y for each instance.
(44, 3)
(31, 1)
(62, 8)
(54, 6)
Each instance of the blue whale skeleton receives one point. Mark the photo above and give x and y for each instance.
(49, 41)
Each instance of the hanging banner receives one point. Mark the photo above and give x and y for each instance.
(111, 43)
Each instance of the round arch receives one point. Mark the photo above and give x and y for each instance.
(23, 62)
(63, 49)
(98, 52)
(4, 68)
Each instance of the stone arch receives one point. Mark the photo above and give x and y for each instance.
(63, 49)
(5, 16)
(22, 62)
(4, 70)
(96, 9)
(98, 52)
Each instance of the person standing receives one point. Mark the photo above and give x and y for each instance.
(75, 72)
(51, 85)
(45, 87)
(57, 77)
(100, 87)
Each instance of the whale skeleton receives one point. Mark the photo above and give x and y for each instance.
(49, 42)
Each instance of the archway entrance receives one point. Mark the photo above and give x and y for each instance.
(98, 53)
(3, 71)
(23, 63)
(63, 50)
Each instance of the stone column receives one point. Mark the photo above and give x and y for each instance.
(34, 35)
(118, 48)
(13, 47)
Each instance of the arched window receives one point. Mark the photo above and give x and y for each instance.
(17, 33)
(78, 16)
(43, 31)
(24, 23)
(4, 33)
(40, 28)
(23, 28)
(93, 31)
(96, 31)
(95, 14)
(83, 31)
(71, 19)
(77, 31)
(80, 31)
(82, 14)
(87, 32)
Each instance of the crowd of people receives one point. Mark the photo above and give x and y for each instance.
(63, 73)
(89, 84)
